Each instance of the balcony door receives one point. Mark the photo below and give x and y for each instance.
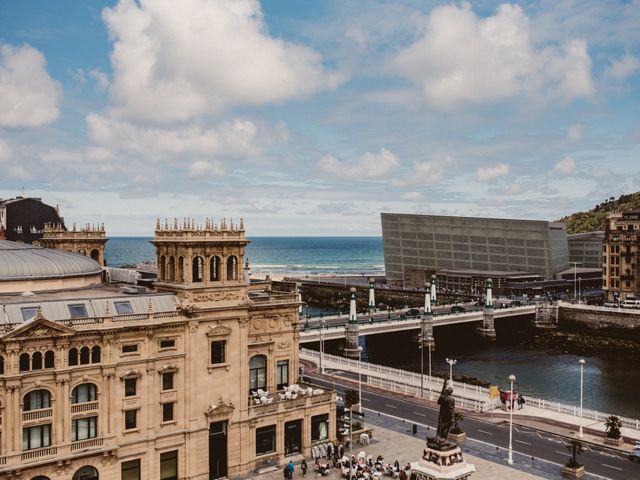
(293, 437)
(217, 450)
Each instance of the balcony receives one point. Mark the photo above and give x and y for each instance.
(307, 396)
(87, 444)
(84, 407)
(38, 453)
(39, 414)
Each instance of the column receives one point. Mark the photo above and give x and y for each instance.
(352, 329)
(487, 329)
(434, 300)
(372, 295)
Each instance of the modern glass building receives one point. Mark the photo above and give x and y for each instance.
(416, 246)
(585, 249)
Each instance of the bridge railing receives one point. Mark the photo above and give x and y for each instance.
(408, 382)
(597, 308)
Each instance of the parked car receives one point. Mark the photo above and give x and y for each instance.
(635, 455)
(479, 303)
(413, 312)
(611, 304)
(457, 309)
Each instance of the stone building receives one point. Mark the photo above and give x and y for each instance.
(89, 240)
(417, 246)
(194, 380)
(620, 267)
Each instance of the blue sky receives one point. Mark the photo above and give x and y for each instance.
(312, 117)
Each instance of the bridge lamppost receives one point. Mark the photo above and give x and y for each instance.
(512, 378)
(359, 378)
(321, 345)
(451, 363)
(581, 362)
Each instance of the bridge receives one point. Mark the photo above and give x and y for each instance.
(334, 327)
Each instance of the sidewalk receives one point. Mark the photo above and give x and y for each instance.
(561, 424)
(404, 448)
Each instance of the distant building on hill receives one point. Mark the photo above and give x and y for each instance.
(417, 246)
(585, 249)
(620, 256)
(23, 218)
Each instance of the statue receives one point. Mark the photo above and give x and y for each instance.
(446, 417)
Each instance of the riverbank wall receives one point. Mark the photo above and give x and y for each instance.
(587, 317)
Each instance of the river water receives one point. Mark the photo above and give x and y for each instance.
(610, 385)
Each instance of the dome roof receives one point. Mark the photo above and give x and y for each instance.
(20, 261)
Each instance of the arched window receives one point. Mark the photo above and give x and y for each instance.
(163, 267)
(49, 359)
(95, 254)
(82, 251)
(73, 357)
(172, 269)
(85, 392)
(85, 356)
(36, 400)
(40, 477)
(1, 365)
(232, 268)
(258, 372)
(36, 361)
(95, 354)
(25, 364)
(215, 269)
(86, 473)
(196, 269)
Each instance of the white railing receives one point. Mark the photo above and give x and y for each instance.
(597, 308)
(409, 383)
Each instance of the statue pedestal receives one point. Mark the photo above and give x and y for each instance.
(443, 462)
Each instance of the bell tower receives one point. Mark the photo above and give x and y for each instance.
(202, 264)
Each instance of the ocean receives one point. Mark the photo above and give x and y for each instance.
(278, 255)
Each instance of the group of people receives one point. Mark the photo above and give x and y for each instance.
(358, 467)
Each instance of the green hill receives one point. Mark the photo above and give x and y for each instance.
(594, 219)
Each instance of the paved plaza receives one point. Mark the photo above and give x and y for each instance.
(405, 448)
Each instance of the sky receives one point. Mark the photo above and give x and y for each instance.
(310, 117)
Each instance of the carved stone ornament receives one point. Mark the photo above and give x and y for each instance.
(219, 410)
(283, 345)
(218, 330)
(38, 328)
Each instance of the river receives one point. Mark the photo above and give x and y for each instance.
(611, 384)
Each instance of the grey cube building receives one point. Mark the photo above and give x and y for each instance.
(585, 249)
(415, 246)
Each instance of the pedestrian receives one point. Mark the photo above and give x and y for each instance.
(291, 468)
(286, 473)
(521, 402)
(303, 467)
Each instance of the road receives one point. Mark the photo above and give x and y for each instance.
(526, 442)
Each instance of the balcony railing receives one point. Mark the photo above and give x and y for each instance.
(36, 414)
(84, 407)
(277, 404)
(86, 444)
(38, 452)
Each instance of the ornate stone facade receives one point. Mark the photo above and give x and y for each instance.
(195, 391)
(89, 240)
(620, 265)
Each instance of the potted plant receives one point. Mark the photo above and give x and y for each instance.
(456, 434)
(573, 469)
(613, 436)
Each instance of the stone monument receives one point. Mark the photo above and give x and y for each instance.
(442, 458)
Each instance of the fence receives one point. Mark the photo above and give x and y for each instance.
(407, 382)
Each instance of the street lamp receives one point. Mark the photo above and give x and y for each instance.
(579, 288)
(451, 363)
(512, 378)
(322, 345)
(575, 271)
(421, 347)
(581, 362)
(359, 378)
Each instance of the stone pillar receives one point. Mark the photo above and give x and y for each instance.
(372, 296)
(428, 340)
(488, 329)
(434, 300)
(427, 298)
(299, 296)
(352, 329)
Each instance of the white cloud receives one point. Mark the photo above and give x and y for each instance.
(464, 59)
(369, 165)
(101, 79)
(174, 61)
(622, 68)
(487, 174)
(513, 189)
(200, 168)
(564, 167)
(232, 139)
(29, 97)
(428, 172)
(574, 133)
(5, 151)
(412, 196)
